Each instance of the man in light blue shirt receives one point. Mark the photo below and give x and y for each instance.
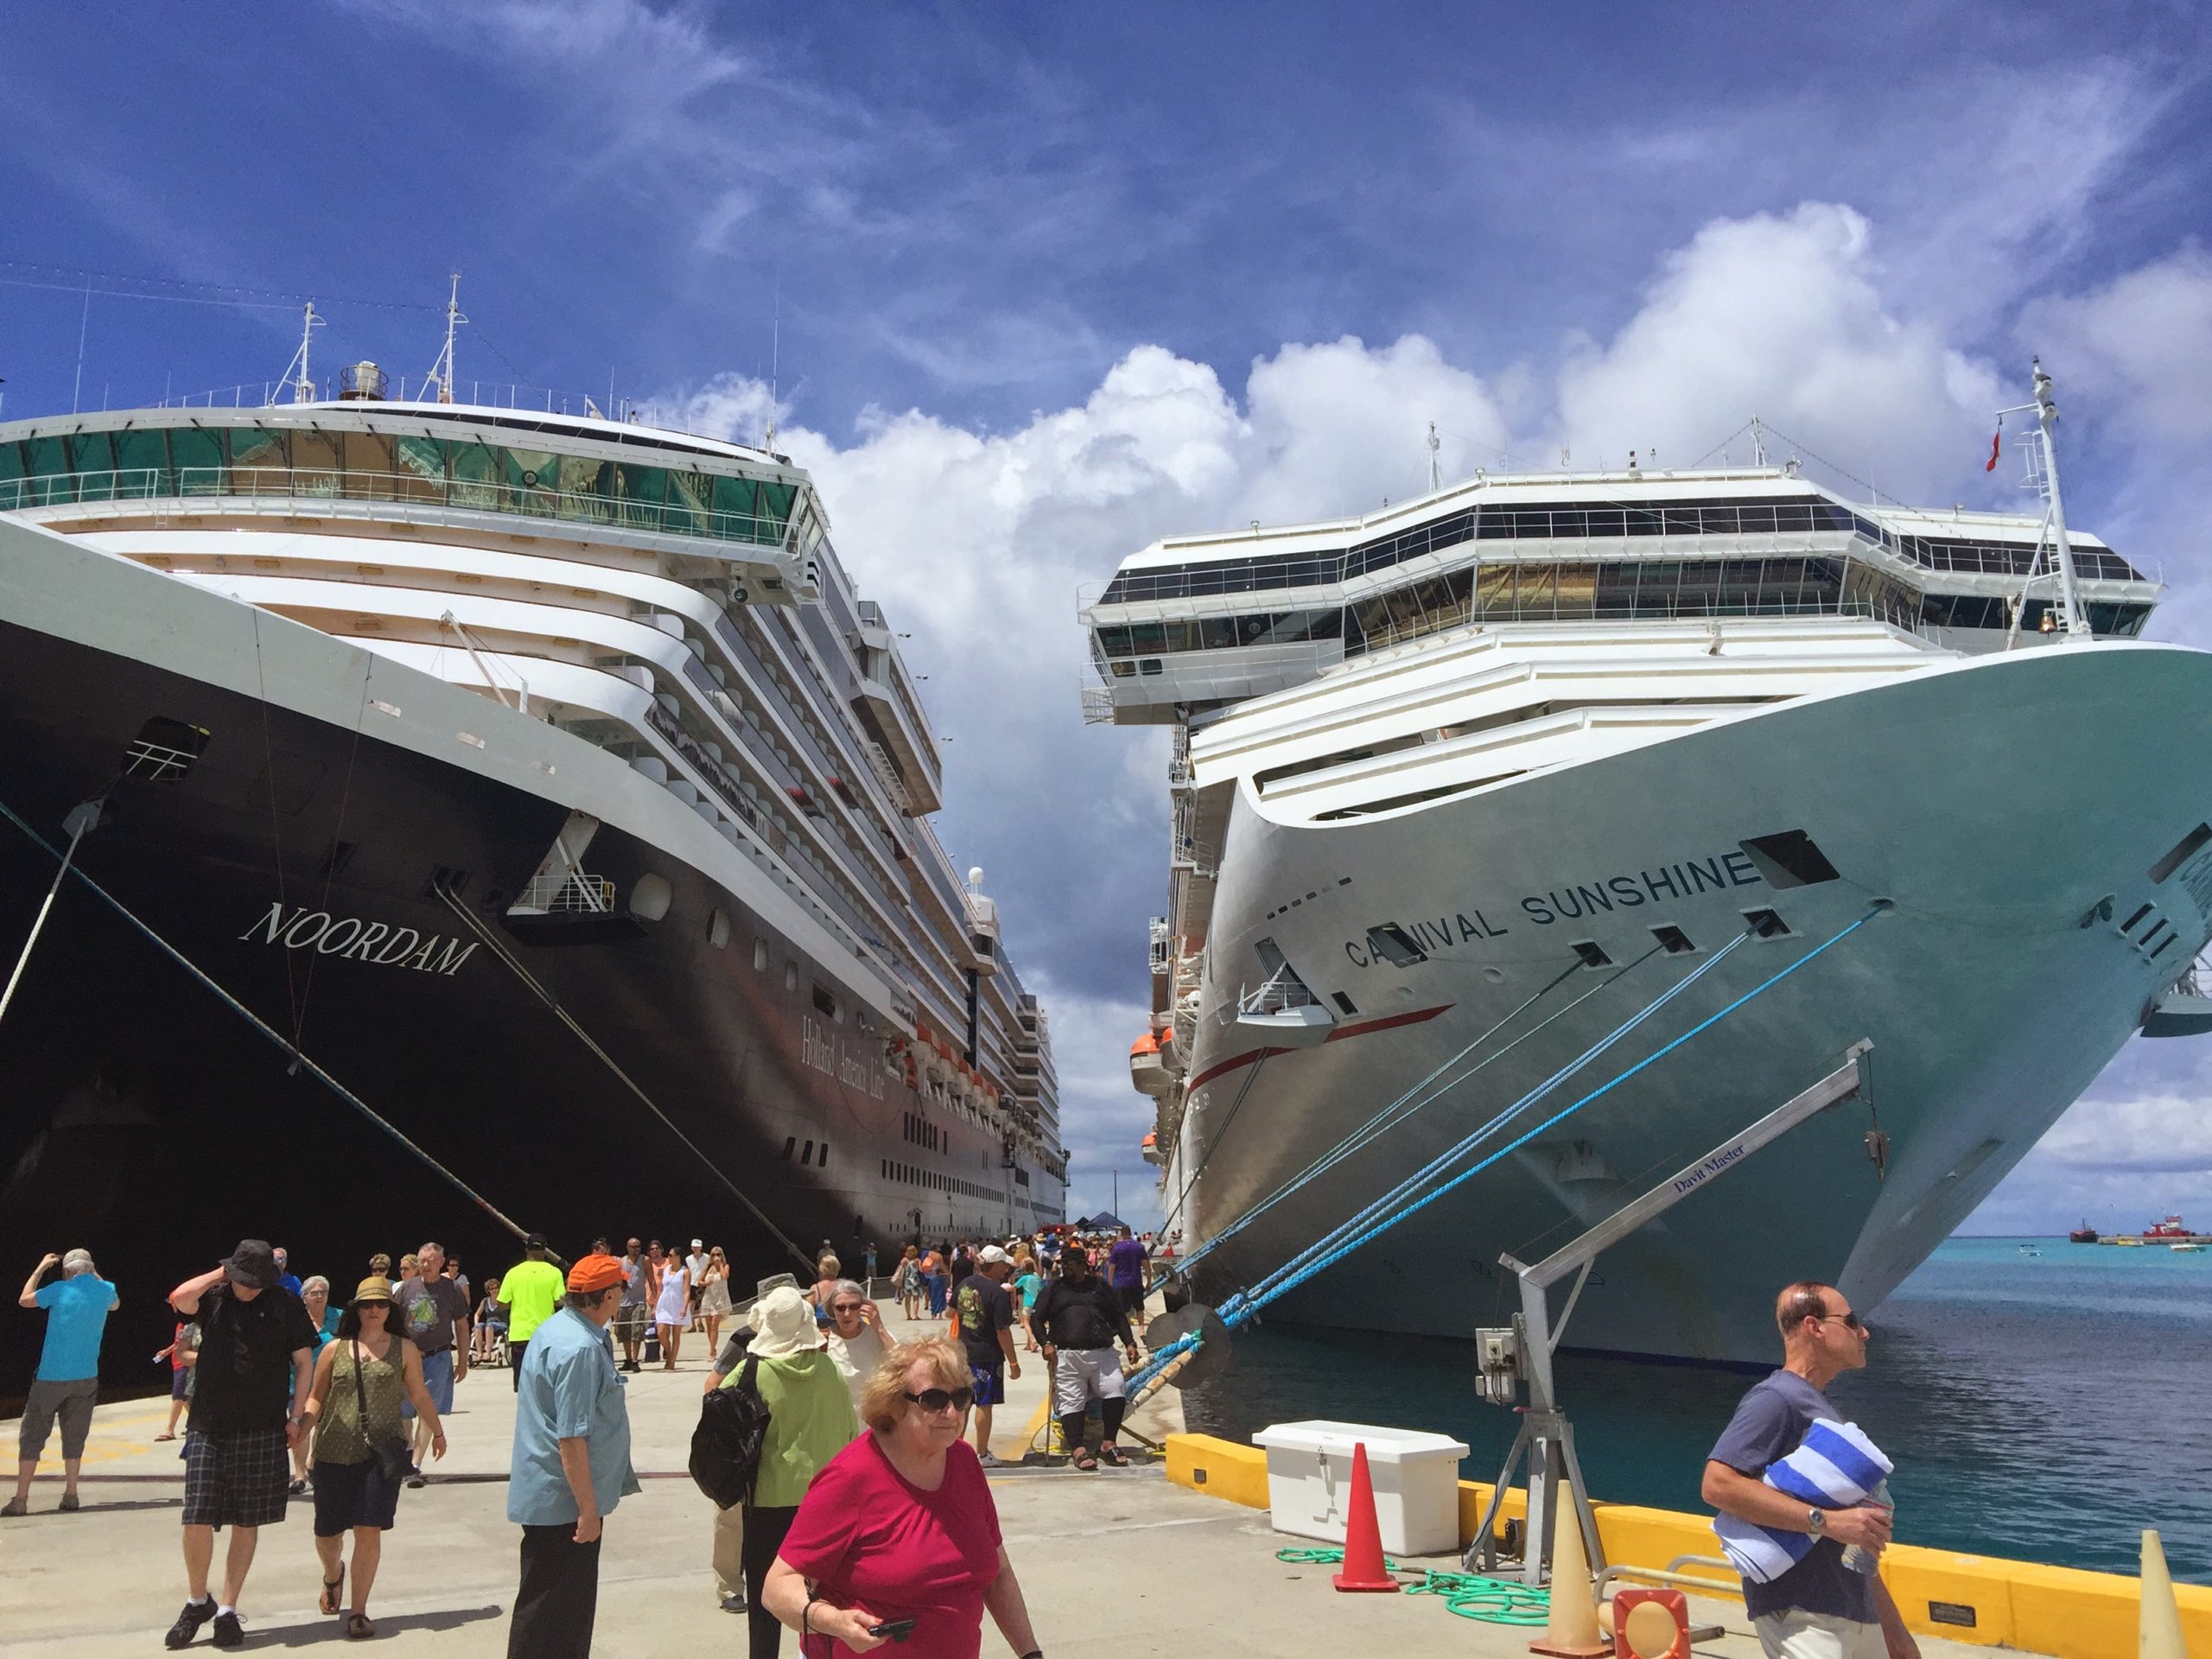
(571, 1465)
(68, 1380)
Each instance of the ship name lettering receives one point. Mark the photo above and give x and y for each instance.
(350, 937)
(823, 1050)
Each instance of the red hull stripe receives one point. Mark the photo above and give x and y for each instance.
(1365, 1027)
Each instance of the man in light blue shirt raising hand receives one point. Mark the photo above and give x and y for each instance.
(68, 1381)
(571, 1465)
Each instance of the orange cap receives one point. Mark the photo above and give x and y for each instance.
(595, 1273)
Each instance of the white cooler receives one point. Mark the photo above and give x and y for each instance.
(1416, 1478)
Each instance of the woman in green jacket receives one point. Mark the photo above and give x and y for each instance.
(810, 1422)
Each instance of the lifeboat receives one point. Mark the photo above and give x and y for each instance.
(1152, 1151)
(1147, 1073)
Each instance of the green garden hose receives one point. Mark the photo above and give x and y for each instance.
(1488, 1601)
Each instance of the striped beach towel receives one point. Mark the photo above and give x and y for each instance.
(1833, 1468)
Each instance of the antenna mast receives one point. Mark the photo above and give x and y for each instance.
(302, 389)
(2043, 474)
(1758, 442)
(442, 371)
(1435, 460)
(775, 357)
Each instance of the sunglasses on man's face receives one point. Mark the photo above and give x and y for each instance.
(935, 1399)
(1851, 1321)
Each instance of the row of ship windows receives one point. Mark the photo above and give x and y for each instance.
(1574, 523)
(1656, 590)
(156, 463)
(922, 1133)
(936, 1181)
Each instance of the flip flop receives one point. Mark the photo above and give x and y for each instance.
(334, 1592)
(165, 1437)
(1085, 1461)
(357, 1627)
(1112, 1456)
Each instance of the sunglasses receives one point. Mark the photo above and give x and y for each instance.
(1851, 1319)
(939, 1399)
(847, 1307)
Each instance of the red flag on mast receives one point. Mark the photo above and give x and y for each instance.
(1995, 443)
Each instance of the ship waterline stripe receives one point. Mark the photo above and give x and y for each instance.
(1342, 1032)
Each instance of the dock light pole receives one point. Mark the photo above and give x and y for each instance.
(1523, 1352)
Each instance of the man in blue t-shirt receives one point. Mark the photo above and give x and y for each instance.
(68, 1380)
(1829, 1606)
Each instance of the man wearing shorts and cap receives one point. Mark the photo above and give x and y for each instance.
(68, 1378)
(530, 1290)
(1077, 1317)
(986, 1316)
(570, 1467)
(249, 1408)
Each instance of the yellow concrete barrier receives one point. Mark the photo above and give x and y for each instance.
(1974, 1598)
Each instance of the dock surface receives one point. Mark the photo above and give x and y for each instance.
(1114, 1565)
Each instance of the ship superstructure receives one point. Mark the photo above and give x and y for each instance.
(1457, 786)
(602, 691)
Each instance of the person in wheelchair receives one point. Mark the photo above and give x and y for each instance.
(489, 1347)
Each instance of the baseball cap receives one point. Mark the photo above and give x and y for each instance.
(534, 1242)
(253, 1264)
(77, 1260)
(991, 1256)
(698, 1243)
(595, 1273)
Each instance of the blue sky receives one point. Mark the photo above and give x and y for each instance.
(1052, 281)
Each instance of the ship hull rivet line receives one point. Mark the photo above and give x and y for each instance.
(531, 981)
(1342, 1241)
(298, 1059)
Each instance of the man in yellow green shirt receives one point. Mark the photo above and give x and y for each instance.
(530, 1290)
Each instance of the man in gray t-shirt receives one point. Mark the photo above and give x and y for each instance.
(432, 1312)
(1825, 1607)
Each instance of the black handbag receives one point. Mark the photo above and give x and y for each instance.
(726, 1445)
(390, 1453)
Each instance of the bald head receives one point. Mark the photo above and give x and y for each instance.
(1805, 1300)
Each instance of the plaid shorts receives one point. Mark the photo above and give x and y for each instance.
(235, 1480)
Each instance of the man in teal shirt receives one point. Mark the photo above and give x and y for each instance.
(571, 1465)
(76, 1305)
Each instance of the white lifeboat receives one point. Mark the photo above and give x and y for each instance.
(1148, 1074)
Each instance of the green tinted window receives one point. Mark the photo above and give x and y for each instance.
(314, 463)
(532, 469)
(11, 460)
(46, 458)
(142, 463)
(691, 498)
(260, 459)
(91, 452)
(197, 455)
(420, 463)
(475, 476)
(739, 496)
(645, 485)
(779, 499)
(585, 486)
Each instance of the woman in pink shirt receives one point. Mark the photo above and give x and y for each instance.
(900, 1526)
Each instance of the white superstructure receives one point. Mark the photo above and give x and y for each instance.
(1459, 787)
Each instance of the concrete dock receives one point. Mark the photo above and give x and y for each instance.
(1116, 1563)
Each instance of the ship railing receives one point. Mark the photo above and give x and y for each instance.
(1281, 990)
(526, 499)
(568, 892)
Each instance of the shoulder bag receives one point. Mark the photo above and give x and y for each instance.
(389, 1452)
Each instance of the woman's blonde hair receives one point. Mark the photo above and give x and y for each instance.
(828, 1268)
(884, 1400)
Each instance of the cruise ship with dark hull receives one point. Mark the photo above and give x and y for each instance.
(485, 838)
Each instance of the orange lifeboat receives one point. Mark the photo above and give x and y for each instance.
(1147, 1073)
(1152, 1153)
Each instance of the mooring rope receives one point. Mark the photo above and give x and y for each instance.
(268, 1030)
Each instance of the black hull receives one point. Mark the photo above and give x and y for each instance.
(149, 1122)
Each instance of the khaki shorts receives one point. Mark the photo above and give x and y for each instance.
(1799, 1634)
(71, 1402)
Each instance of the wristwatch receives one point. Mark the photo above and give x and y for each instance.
(1817, 1523)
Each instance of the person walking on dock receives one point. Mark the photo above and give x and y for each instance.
(353, 1414)
(640, 1285)
(67, 1382)
(249, 1406)
(182, 1353)
(1077, 1317)
(1125, 1264)
(570, 1466)
(530, 1291)
(1831, 1604)
(433, 1312)
(672, 1312)
(985, 1314)
(713, 1296)
(855, 1339)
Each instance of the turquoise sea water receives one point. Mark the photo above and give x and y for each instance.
(2045, 1407)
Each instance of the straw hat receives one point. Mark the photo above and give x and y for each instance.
(374, 1288)
(783, 1325)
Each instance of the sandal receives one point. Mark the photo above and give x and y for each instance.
(357, 1627)
(1112, 1456)
(334, 1592)
(164, 1437)
(1085, 1461)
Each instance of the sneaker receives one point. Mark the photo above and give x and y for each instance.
(418, 1479)
(188, 1622)
(13, 1506)
(734, 1604)
(990, 1461)
(298, 1488)
(69, 1504)
(229, 1633)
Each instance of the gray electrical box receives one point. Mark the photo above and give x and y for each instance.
(1498, 1352)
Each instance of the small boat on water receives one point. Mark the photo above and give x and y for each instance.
(2186, 1247)
(2084, 1234)
(2030, 1250)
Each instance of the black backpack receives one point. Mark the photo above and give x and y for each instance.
(726, 1447)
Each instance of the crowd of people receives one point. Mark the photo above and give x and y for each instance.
(285, 1389)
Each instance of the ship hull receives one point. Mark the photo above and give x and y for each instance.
(149, 1121)
(2012, 811)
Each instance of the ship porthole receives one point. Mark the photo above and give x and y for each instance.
(650, 898)
(1495, 974)
(717, 930)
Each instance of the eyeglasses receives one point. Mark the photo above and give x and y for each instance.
(935, 1399)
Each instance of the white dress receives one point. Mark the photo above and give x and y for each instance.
(675, 1305)
(715, 1300)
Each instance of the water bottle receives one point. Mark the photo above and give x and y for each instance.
(1859, 1560)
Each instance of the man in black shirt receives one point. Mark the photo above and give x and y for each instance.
(1077, 1316)
(986, 1315)
(249, 1402)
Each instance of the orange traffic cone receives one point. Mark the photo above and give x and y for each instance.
(1364, 1566)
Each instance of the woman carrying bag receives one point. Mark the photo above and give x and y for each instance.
(361, 1449)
